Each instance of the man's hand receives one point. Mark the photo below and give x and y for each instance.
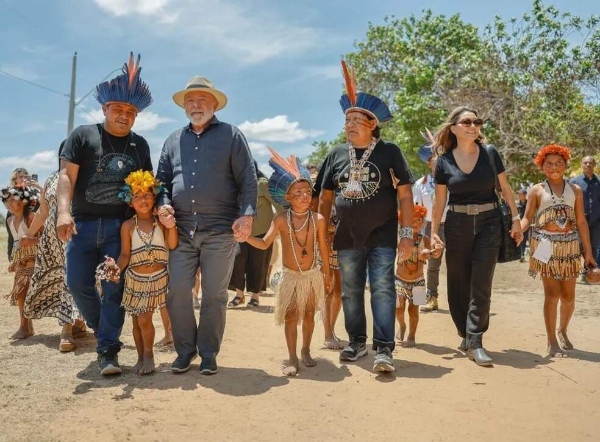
(242, 228)
(166, 216)
(405, 247)
(65, 226)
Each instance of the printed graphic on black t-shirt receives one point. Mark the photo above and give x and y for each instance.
(370, 179)
(108, 179)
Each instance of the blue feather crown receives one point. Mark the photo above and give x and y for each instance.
(368, 104)
(127, 87)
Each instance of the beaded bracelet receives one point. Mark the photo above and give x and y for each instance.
(405, 232)
(516, 218)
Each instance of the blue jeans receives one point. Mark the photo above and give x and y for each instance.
(214, 253)
(95, 240)
(353, 268)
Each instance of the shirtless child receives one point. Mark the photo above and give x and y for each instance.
(301, 290)
(409, 274)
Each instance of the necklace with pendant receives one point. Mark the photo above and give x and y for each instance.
(147, 240)
(559, 202)
(293, 235)
(102, 133)
(354, 187)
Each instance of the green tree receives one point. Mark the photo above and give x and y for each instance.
(535, 80)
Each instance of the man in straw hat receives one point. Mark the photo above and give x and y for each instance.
(209, 173)
(94, 162)
(367, 177)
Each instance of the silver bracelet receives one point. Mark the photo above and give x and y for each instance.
(516, 218)
(405, 232)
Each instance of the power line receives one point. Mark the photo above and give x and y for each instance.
(22, 17)
(34, 84)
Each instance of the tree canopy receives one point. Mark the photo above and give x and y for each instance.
(534, 79)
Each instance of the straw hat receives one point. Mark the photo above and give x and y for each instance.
(200, 84)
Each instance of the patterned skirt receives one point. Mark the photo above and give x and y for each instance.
(145, 292)
(565, 262)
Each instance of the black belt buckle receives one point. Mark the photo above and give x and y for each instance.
(472, 209)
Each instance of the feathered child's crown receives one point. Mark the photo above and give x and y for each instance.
(30, 195)
(426, 150)
(360, 101)
(140, 181)
(126, 88)
(286, 171)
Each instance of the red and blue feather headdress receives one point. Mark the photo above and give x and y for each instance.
(126, 88)
(369, 104)
(286, 171)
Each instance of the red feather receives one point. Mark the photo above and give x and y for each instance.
(132, 67)
(350, 82)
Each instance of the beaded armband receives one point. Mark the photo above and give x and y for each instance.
(405, 232)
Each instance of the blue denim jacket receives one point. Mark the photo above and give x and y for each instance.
(210, 177)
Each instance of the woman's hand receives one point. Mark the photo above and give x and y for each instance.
(436, 242)
(515, 232)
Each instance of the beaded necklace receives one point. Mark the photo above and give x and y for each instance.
(304, 224)
(293, 235)
(147, 239)
(354, 187)
(559, 201)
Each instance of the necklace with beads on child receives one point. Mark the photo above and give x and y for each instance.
(147, 240)
(293, 236)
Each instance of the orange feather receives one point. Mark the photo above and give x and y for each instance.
(350, 80)
(289, 164)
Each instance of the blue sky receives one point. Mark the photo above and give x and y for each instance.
(277, 61)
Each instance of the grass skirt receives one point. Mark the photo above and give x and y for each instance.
(299, 291)
(565, 262)
(145, 292)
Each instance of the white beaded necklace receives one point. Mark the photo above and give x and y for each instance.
(307, 213)
(291, 228)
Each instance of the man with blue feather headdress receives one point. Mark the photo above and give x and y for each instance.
(368, 178)
(94, 162)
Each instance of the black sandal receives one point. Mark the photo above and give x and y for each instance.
(253, 303)
(236, 301)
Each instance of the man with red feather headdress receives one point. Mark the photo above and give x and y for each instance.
(94, 162)
(367, 178)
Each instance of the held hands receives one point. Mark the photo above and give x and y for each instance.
(516, 233)
(404, 248)
(166, 216)
(65, 226)
(27, 240)
(242, 228)
(328, 282)
(436, 243)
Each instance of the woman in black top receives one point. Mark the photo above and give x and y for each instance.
(472, 227)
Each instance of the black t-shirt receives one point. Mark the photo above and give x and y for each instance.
(104, 162)
(476, 187)
(370, 219)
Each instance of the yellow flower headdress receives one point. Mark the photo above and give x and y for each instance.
(140, 181)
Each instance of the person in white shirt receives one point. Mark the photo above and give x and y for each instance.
(423, 193)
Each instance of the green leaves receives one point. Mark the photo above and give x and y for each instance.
(536, 79)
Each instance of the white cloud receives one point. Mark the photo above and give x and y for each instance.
(276, 129)
(258, 149)
(46, 160)
(145, 121)
(236, 29)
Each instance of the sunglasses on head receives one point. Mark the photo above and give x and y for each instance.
(468, 122)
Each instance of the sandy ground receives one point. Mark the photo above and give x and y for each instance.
(436, 394)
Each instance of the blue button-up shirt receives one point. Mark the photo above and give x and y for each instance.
(591, 196)
(210, 177)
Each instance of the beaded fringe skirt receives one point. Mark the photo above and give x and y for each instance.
(145, 292)
(565, 262)
(299, 292)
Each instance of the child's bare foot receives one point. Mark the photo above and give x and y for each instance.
(554, 351)
(307, 359)
(564, 340)
(138, 365)
(290, 367)
(147, 364)
(332, 343)
(168, 339)
(23, 333)
(410, 341)
(401, 332)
